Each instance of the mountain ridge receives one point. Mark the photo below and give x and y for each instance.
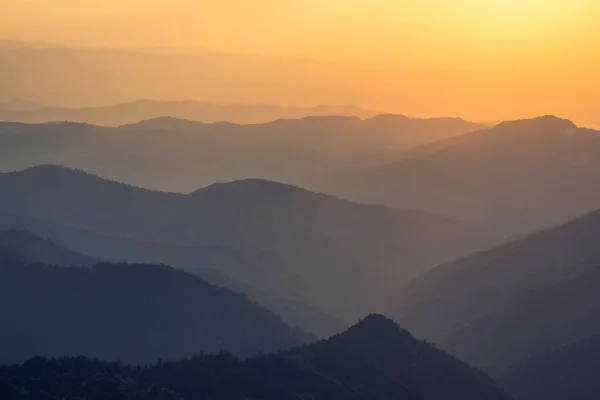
(314, 238)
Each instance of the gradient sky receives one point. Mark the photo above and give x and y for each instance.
(480, 59)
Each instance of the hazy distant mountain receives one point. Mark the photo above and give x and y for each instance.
(214, 264)
(34, 249)
(17, 106)
(502, 306)
(135, 313)
(516, 177)
(132, 112)
(99, 76)
(181, 155)
(567, 373)
(374, 360)
(324, 248)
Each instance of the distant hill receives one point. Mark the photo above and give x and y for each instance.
(374, 360)
(324, 248)
(103, 76)
(503, 306)
(214, 264)
(37, 250)
(17, 106)
(181, 155)
(132, 112)
(566, 373)
(516, 177)
(135, 313)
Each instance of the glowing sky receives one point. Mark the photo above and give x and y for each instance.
(481, 59)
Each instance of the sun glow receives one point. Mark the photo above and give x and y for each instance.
(421, 57)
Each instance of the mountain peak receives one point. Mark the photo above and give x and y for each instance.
(46, 170)
(389, 118)
(252, 186)
(379, 325)
(544, 124)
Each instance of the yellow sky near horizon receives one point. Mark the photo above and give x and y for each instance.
(481, 59)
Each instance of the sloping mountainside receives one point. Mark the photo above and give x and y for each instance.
(34, 249)
(180, 155)
(567, 373)
(349, 366)
(132, 112)
(514, 178)
(135, 313)
(215, 264)
(292, 309)
(328, 249)
(503, 306)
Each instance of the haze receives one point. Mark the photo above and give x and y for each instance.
(485, 60)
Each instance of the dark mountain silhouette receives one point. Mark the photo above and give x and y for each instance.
(569, 372)
(34, 249)
(214, 264)
(75, 378)
(132, 112)
(503, 306)
(374, 360)
(181, 155)
(322, 247)
(516, 177)
(131, 312)
(415, 364)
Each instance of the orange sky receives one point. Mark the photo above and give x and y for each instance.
(480, 59)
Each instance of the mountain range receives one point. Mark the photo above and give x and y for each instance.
(514, 178)
(374, 360)
(500, 307)
(211, 263)
(182, 155)
(319, 247)
(140, 110)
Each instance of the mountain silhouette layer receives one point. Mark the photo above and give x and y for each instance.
(517, 177)
(568, 372)
(214, 264)
(500, 307)
(31, 248)
(323, 247)
(182, 155)
(132, 112)
(372, 360)
(130, 312)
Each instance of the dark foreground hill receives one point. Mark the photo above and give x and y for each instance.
(322, 247)
(374, 360)
(566, 373)
(505, 305)
(134, 313)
